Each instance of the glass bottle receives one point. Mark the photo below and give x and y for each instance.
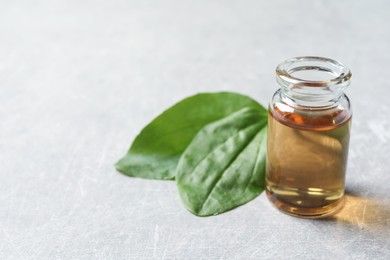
(309, 125)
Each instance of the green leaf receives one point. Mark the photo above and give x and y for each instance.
(224, 165)
(156, 151)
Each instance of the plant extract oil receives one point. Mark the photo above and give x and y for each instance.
(306, 160)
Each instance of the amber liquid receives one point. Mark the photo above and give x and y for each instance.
(306, 162)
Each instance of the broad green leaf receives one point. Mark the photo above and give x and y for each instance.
(156, 151)
(223, 167)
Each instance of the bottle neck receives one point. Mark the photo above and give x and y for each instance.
(294, 99)
(312, 81)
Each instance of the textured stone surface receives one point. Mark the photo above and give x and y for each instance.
(79, 79)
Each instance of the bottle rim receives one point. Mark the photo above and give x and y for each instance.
(286, 69)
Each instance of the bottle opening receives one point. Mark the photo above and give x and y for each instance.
(312, 79)
(313, 73)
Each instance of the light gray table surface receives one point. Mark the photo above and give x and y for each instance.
(79, 80)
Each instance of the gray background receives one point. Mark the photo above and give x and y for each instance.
(79, 79)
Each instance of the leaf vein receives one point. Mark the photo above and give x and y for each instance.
(226, 167)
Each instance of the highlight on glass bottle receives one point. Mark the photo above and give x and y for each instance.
(308, 135)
